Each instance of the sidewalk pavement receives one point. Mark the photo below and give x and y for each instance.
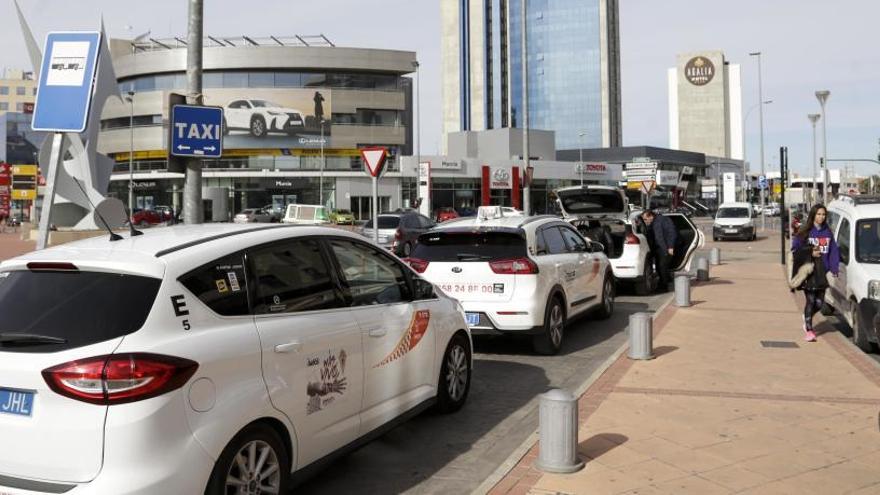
(11, 245)
(716, 412)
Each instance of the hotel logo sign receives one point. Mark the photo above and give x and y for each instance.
(699, 71)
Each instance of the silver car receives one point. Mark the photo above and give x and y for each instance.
(399, 231)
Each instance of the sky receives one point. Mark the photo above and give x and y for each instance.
(806, 45)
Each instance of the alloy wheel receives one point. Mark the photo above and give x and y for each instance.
(457, 372)
(254, 470)
(556, 325)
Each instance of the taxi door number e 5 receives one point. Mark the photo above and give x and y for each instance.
(472, 288)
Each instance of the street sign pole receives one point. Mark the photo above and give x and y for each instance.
(783, 213)
(49, 196)
(192, 187)
(376, 209)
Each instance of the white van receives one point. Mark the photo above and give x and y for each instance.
(306, 214)
(734, 221)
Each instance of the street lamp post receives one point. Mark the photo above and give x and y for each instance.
(130, 100)
(761, 116)
(813, 196)
(321, 179)
(745, 160)
(418, 129)
(822, 96)
(581, 155)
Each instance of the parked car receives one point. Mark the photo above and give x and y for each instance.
(252, 215)
(600, 214)
(445, 213)
(276, 213)
(772, 209)
(260, 117)
(166, 212)
(734, 221)
(855, 292)
(244, 353)
(145, 218)
(517, 275)
(399, 232)
(306, 215)
(342, 217)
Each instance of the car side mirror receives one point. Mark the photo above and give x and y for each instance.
(424, 289)
(596, 247)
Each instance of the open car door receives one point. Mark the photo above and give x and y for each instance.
(690, 238)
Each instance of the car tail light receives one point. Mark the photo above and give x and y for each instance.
(515, 266)
(631, 238)
(418, 265)
(119, 378)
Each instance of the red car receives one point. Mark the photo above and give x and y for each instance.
(444, 214)
(144, 218)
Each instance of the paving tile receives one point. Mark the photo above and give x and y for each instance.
(695, 461)
(853, 444)
(837, 478)
(656, 447)
(692, 485)
(594, 479)
(653, 471)
(735, 477)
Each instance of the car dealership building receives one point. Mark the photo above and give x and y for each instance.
(291, 105)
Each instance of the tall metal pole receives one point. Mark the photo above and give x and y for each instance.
(813, 190)
(822, 96)
(376, 209)
(192, 188)
(783, 212)
(581, 156)
(131, 154)
(527, 196)
(429, 208)
(321, 179)
(761, 117)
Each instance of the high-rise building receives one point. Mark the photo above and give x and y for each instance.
(573, 68)
(705, 105)
(18, 90)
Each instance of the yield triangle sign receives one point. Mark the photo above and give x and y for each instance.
(374, 158)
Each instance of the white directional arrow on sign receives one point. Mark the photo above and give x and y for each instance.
(182, 147)
(374, 158)
(209, 148)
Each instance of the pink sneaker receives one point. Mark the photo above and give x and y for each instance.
(810, 336)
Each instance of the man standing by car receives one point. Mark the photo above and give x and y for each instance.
(665, 238)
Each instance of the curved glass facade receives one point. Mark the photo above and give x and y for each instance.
(565, 76)
(266, 79)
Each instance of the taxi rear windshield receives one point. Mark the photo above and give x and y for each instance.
(469, 246)
(53, 311)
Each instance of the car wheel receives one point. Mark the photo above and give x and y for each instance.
(255, 461)
(549, 341)
(258, 126)
(407, 249)
(143, 223)
(714, 238)
(859, 334)
(225, 127)
(648, 282)
(607, 307)
(455, 375)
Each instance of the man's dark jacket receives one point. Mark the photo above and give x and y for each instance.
(665, 233)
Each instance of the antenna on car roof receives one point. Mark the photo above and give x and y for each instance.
(104, 206)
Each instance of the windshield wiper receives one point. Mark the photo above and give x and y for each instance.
(29, 338)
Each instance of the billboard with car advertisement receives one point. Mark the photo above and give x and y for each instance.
(273, 118)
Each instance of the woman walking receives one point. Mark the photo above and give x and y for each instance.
(814, 254)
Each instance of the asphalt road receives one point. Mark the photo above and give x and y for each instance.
(453, 454)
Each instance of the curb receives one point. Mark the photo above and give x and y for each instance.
(514, 458)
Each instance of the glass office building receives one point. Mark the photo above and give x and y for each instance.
(573, 68)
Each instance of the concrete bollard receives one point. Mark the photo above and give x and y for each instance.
(682, 289)
(641, 335)
(558, 430)
(702, 269)
(715, 256)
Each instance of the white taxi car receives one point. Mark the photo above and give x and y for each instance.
(213, 358)
(600, 213)
(517, 274)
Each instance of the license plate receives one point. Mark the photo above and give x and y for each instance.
(473, 319)
(730, 231)
(16, 402)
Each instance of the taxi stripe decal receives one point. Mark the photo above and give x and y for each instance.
(418, 326)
